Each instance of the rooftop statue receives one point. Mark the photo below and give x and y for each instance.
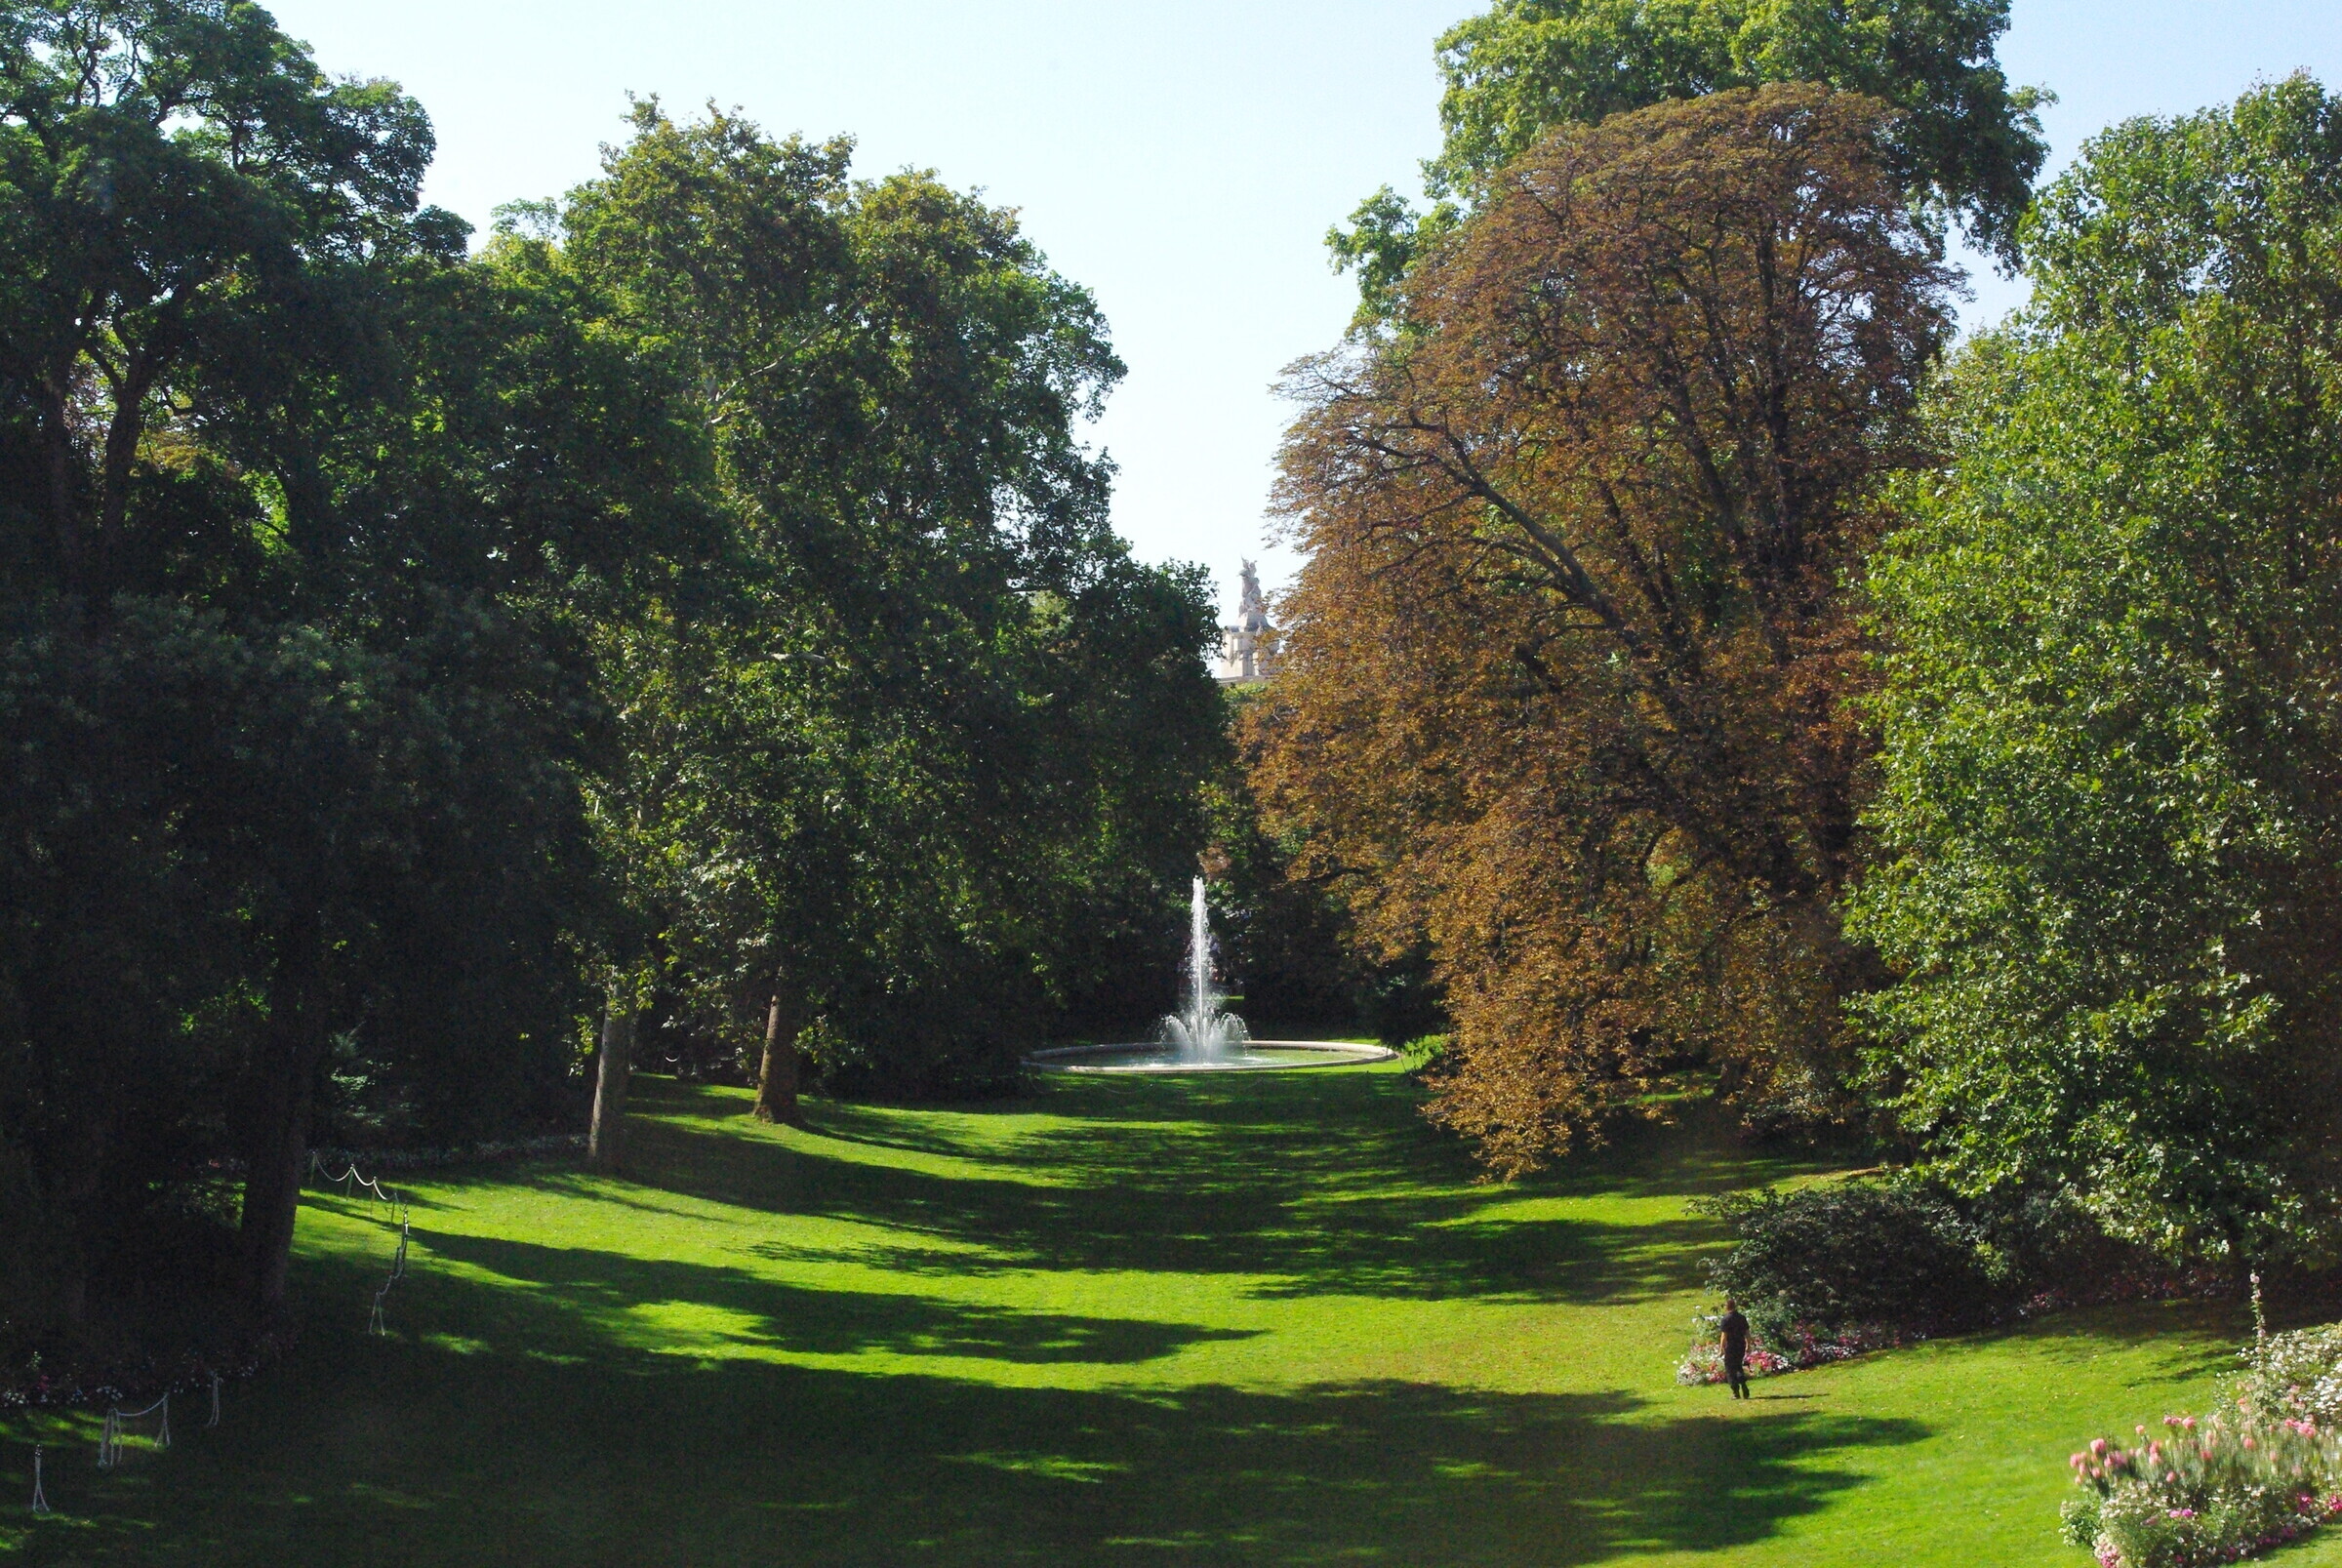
(1248, 649)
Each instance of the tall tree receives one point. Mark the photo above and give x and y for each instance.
(315, 510)
(897, 757)
(1965, 145)
(2112, 773)
(172, 171)
(1560, 689)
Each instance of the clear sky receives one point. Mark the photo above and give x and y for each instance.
(1182, 161)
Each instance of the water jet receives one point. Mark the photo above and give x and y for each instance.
(1202, 1036)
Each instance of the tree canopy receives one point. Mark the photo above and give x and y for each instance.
(1963, 145)
(1560, 689)
(2110, 805)
(696, 604)
(943, 723)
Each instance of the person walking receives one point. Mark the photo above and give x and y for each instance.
(1733, 1340)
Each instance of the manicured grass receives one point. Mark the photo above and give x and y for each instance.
(1270, 1320)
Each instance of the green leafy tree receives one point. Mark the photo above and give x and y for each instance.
(2110, 813)
(940, 719)
(1966, 146)
(172, 173)
(308, 519)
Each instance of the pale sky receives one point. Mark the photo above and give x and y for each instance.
(1181, 161)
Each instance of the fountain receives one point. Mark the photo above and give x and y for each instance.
(1200, 1037)
(1202, 1032)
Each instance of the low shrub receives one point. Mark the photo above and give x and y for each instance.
(1883, 1260)
(1822, 1263)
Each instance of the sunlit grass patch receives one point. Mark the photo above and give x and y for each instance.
(1276, 1324)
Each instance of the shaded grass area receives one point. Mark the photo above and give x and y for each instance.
(1268, 1320)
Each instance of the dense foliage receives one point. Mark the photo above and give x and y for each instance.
(1963, 145)
(922, 778)
(1877, 1258)
(2111, 812)
(696, 599)
(1561, 698)
(1851, 1256)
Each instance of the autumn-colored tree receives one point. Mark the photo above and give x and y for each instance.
(1563, 681)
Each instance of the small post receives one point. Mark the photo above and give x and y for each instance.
(214, 1420)
(40, 1499)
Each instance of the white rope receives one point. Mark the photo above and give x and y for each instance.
(398, 1272)
(40, 1499)
(109, 1441)
(351, 1181)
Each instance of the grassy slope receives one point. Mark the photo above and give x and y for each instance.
(1259, 1321)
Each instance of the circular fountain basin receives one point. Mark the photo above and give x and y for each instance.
(1253, 1056)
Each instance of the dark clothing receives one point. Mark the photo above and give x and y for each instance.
(1734, 1329)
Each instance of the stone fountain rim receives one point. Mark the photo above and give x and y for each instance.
(1337, 1054)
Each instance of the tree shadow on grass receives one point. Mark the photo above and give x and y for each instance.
(603, 1287)
(1316, 1185)
(542, 1438)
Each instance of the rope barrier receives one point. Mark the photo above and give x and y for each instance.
(398, 1272)
(351, 1181)
(214, 1420)
(109, 1441)
(40, 1499)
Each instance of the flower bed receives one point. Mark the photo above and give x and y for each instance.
(488, 1153)
(2207, 1491)
(2225, 1486)
(1704, 1363)
(53, 1382)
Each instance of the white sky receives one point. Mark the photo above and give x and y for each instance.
(1182, 161)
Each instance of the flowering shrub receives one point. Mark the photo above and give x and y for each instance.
(2204, 1491)
(2296, 1375)
(1706, 1365)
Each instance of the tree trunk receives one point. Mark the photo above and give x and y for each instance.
(606, 1144)
(81, 1181)
(777, 1079)
(57, 438)
(277, 1141)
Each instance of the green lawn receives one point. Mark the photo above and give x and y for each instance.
(1263, 1320)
